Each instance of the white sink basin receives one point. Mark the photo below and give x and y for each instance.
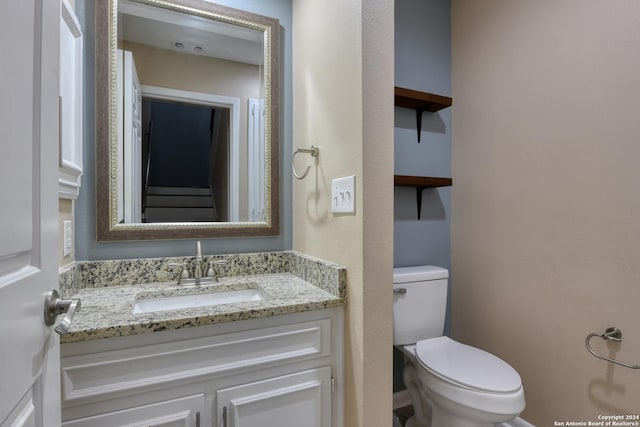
(214, 297)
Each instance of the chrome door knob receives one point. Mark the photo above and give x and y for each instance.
(55, 306)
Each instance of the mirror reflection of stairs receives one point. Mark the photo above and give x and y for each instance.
(178, 204)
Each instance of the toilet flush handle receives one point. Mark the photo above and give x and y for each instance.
(399, 291)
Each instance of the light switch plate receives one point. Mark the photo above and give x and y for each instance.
(343, 195)
(67, 237)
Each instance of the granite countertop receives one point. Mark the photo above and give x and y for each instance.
(107, 311)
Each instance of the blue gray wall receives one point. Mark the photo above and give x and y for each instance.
(422, 62)
(86, 246)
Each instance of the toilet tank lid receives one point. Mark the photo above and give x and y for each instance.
(419, 273)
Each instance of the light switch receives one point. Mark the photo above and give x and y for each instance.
(343, 195)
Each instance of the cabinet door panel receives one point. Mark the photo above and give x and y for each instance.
(300, 399)
(182, 412)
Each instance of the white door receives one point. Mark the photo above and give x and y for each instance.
(255, 144)
(132, 116)
(29, 351)
(294, 400)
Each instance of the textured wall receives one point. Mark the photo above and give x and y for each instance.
(545, 202)
(343, 103)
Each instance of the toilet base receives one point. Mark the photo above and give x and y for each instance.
(411, 422)
(442, 419)
(445, 420)
(441, 412)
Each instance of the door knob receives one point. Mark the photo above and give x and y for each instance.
(55, 306)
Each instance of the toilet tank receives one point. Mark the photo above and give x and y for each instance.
(419, 303)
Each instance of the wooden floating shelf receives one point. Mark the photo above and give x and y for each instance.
(421, 102)
(421, 183)
(424, 101)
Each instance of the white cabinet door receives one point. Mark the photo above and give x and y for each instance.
(181, 412)
(299, 399)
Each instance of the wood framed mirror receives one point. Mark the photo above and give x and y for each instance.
(187, 121)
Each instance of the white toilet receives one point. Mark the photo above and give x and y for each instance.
(451, 384)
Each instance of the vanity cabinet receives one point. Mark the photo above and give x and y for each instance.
(278, 371)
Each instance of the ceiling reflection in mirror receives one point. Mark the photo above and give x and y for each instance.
(192, 137)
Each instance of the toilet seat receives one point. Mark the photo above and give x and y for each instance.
(467, 366)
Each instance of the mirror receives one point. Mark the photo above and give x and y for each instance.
(187, 123)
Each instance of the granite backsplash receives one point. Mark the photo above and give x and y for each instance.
(92, 274)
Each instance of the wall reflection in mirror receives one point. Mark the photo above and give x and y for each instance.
(193, 109)
(191, 118)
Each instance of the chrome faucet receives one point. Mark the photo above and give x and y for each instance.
(199, 276)
(197, 269)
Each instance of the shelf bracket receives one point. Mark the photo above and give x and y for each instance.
(419, 122)
(419, 198)
(421, 183)
(421, 102)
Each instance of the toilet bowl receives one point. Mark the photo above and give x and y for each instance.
(451, 384)
(463, 386)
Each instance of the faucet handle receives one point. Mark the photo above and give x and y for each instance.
(210, 270)
(184, 273)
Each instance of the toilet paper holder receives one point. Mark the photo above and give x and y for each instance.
(611, 334)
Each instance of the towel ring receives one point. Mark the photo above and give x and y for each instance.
(613, 334)
(314, 151)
